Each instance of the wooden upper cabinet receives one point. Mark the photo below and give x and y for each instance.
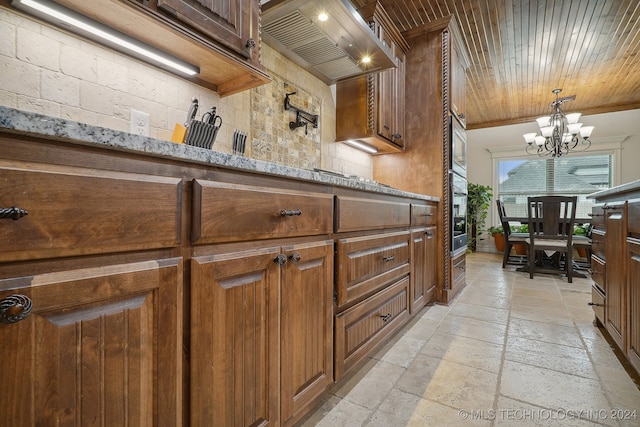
(231, 22)
(458, 82)
(213, 36)
(371, 108)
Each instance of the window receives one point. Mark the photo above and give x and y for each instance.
(570, 175)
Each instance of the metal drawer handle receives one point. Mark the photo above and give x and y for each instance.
(428, 214)
(594, 272)
(295, 257)
(389, 258)
(592, 214)
(385, 317)
(396, 136)
(12, 213)
(280, 259)
(290, 212)
(15, 308)
(595, 304)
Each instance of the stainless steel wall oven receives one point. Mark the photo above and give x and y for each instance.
(458, 210)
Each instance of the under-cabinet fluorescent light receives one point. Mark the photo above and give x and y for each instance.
(67, 18)
(361, 146)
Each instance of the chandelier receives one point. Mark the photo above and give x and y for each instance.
(559, 132)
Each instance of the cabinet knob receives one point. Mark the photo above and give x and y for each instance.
(281, 259)
(396, 136)
(14, 308)
(388, 258)
(251, 43)
(290, 212)
(14, 213)
(295, 257)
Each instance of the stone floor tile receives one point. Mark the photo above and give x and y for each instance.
(448, 383)
(465, 351)
(562, 358)
(336, 412)
(512, 413)
(479, 312)
(404, 409)
(370, 390)
(551, 389)
(473, 328)
(547, 332)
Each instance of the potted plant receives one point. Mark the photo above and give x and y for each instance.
(520, 248)
(478, 200)
(498, 237)
(581, 230)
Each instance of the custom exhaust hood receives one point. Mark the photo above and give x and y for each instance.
(335, 46)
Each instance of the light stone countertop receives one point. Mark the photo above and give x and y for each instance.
(619, 190)
(41, 126)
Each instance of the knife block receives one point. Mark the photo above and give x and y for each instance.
(201, 134)
(179, 134)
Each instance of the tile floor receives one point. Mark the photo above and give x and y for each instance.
(507, 351)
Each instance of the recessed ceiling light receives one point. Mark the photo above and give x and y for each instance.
(323, 16)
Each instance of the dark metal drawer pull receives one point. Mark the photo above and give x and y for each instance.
(280, 259)
(592, 214)
(290, 212)
(295, 257)
(385, 317)
(15, 308)
(389, 258)
(596, 304)
(12, 213)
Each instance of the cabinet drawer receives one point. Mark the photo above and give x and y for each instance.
(362, 327)
(423, 214)
(597, 217)
(598, 244)
(459, 266)
(231, 212)
(367, 263)
(633, 217)
(597, 300)
(598, 272)
(77, 211)
(354, 214)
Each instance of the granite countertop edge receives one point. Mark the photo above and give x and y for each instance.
(42, 126)
(619, 189)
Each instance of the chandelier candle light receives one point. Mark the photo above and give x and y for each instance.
(559, 132)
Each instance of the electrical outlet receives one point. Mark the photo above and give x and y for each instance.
(139, 123)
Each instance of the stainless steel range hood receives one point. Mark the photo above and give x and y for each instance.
(332, 50)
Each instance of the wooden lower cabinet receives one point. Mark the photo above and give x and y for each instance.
(235, 349)
(633, 286)
(361, 328)
(423, 269)
(615, 301)
(306, 329)
(101, 346)
(261, 334)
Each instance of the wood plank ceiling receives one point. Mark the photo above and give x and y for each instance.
(520, 50)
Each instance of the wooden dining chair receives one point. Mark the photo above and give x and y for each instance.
(551, 220)
(509, 238)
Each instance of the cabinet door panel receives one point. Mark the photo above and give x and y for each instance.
(615, 310)
(633, 285)
(234, 339)
(306, 326)
(227, 21)
(101, 347)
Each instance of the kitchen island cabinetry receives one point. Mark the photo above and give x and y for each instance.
(615, 265)
(371, 108)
